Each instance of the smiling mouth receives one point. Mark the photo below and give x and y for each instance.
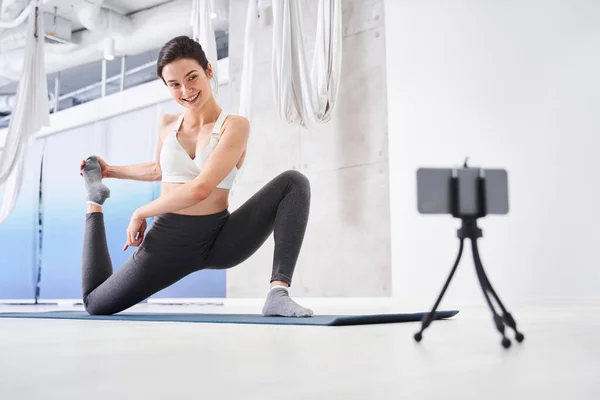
(191, 99)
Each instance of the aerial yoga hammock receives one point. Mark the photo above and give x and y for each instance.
(30, 112)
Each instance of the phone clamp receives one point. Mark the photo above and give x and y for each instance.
(470, 230)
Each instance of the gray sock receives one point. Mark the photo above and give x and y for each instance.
(279, 303)
(92, 176)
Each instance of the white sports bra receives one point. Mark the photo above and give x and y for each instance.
(176, 164)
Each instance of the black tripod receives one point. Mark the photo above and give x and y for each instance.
(470, 230)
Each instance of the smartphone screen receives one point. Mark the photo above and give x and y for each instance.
(434, 194)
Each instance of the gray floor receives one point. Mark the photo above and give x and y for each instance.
(458, 359)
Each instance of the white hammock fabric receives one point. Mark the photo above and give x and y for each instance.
(301, 97)
(204, 33)
(247, 79)
(248, 61)
(30, 113)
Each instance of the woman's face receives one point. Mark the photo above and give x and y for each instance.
(188, 83)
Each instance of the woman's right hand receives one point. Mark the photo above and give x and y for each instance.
(103, 166)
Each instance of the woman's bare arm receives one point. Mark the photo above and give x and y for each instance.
(148, 171)
(138, 172)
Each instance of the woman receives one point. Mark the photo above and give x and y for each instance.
(199, 153)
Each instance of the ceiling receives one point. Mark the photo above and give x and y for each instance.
(64, 8)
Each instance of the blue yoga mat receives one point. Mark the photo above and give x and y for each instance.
(324, 320)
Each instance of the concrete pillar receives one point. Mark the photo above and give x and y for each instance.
(346, 252)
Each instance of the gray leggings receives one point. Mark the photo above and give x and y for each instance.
(176, 245)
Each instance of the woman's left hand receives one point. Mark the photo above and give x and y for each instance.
(135, 231)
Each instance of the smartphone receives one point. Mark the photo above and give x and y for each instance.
(440, 190)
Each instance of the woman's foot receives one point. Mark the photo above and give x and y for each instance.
(92, 176)
(279, 303)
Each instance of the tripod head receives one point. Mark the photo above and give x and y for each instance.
(468, 199)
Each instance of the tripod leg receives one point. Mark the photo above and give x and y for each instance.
(431, 315)
(497, 319)
(507, 317)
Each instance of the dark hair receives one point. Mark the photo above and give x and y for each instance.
(178, 48)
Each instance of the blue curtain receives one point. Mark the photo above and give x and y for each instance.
(19, 235)
(126, 139)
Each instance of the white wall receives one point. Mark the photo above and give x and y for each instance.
(511, 84)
